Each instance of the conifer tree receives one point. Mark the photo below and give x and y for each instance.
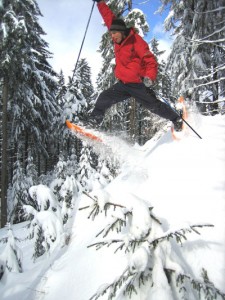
(72, 164)
(31, 171)
(195, 63)
(69, 192)
(83, 80)
(60, 173)
(22, 181)
(23, 60)
(11, 256)
(83, 84)
(73, 105)
(28, 83)
(86, 170)
(19, 193)
(163, 81)
(65, 187)
(60, 95)
(103, 175)
(46, 226)
(74, 102)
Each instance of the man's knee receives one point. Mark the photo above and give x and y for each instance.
(104, 101)
(106, 95)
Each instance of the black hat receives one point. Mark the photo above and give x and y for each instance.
(118, 25)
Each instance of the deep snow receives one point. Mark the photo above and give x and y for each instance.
(184, 182)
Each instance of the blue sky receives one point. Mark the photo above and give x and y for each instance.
(64, 22)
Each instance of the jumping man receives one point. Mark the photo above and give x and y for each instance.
(136, 71)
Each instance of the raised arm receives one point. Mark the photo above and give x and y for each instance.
(105, 12)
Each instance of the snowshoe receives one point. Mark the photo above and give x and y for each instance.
(82, 131)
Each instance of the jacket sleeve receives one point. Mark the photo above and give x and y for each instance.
(106, 13)
(148, 60)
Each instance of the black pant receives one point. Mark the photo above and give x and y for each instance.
(121, 91)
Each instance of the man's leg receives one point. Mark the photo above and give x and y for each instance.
(107, 98)
(148, 100)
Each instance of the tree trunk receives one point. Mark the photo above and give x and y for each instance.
(215, 91)
(133, 127)
(4, 180)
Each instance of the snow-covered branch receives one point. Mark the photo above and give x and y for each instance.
(210, 41)
(208, 36)
(208, 83)
(179, 234)
(210, 11)
(128, 283)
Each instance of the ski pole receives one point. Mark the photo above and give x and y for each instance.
(180, 116)
(83, 39)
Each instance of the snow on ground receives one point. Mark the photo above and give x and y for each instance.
(184, 182)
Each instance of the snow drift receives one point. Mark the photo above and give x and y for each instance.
(165, 188)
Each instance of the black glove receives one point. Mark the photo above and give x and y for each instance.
(97, 0)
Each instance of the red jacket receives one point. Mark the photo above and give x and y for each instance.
(134, 60)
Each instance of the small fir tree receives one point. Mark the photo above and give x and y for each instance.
(154, 262)
(46, 226)
(11, 256)
(19, 193)
(86, 171)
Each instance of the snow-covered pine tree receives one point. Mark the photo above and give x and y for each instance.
(72, 107)
(11, 256)
(60, 172)
(196, 60)
(24, 57)
(72, 164)
(156, 268)
(86, 171)
(179, 59)
(61, 89)
(70, 193)
(28, 80)
(77, 98)
(163, 81)
(208, 53)
(83, 80)
(103, 175)
(31, 170)
(19, 193)
(83, 84)
(65, 187)
(46, 226)
(22, 181)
